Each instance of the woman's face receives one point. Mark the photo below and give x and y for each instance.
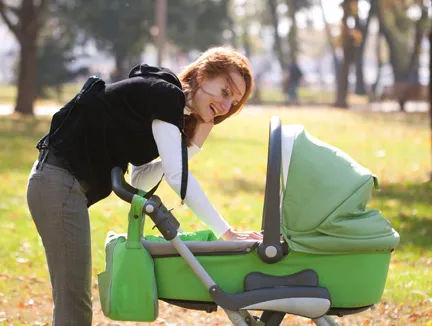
(215, 96)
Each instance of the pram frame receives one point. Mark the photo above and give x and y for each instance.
(313, 303)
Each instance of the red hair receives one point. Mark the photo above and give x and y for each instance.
(215, 62)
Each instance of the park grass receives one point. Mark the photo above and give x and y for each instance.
(231, 168)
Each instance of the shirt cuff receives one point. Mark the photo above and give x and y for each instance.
(193, 150)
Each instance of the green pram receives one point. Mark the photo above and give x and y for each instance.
(323, 253)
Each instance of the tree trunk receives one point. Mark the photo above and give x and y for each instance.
(348, 52)
(342, 88)
(430, 95)
(278, 45)
(26, 28)
(119, 72)
(360, 88)
(379, 63)
(246, 41)
(413, 67)
(27, 75)
(394, 49)
(292, 34)
(331, 45)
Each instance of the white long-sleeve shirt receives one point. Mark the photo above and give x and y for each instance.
(167, 137)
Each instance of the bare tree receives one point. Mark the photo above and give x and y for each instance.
(330, 42)
(363, 29)
(430, 93)
(25, 23)
(420, 31)
(378, 55)
(350, 8)
(277, 38)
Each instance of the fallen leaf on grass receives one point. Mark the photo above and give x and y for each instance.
(22, 260)
(414, 316)
(4, 276)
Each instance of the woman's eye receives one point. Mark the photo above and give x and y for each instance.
(224, 93)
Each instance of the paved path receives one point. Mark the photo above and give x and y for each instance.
(379, 106)
(38, 110)
(391, 106)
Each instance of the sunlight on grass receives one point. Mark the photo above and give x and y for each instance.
(231, 169)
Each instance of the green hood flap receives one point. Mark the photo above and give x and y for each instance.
(322, 244)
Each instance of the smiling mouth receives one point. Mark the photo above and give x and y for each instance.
(213, 110)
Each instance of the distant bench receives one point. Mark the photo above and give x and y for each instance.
(404, 92)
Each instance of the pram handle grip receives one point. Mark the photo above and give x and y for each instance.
(271, 249)
(120, 187)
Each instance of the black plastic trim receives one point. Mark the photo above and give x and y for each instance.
(121, 188)
(272, 318)
(340, 312)
(271, 210)
(257, 280)
(208, 307)
(162, 219)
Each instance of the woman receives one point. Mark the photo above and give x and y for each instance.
(133, 121)
(216, 86)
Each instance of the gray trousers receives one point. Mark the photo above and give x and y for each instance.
(58, 206)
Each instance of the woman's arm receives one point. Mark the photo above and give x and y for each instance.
(168, 142)
(147, 175)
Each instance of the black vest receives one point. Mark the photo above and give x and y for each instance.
(111, 126)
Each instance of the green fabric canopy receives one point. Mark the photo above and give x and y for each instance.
(324, 199)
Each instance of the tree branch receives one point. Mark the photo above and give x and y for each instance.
(39, 9)
(419, 32)
(14, 29)
(42, 4)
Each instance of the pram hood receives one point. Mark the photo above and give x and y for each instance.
(324, 198)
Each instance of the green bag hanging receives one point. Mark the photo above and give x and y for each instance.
(127, 287)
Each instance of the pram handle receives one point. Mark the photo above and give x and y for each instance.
(120, 187)
(271, 249)
(164, 220)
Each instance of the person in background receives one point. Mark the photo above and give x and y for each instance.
(291, 82)
(132, 121)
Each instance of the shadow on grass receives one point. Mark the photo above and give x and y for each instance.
(413, 119)
(409, 208)
(408, 193)
(238, 185)
(414, 231)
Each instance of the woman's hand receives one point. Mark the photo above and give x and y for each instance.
(247, 235)
(201, 132)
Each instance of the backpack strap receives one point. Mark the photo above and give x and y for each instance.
(44, 143)
(185, 171)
